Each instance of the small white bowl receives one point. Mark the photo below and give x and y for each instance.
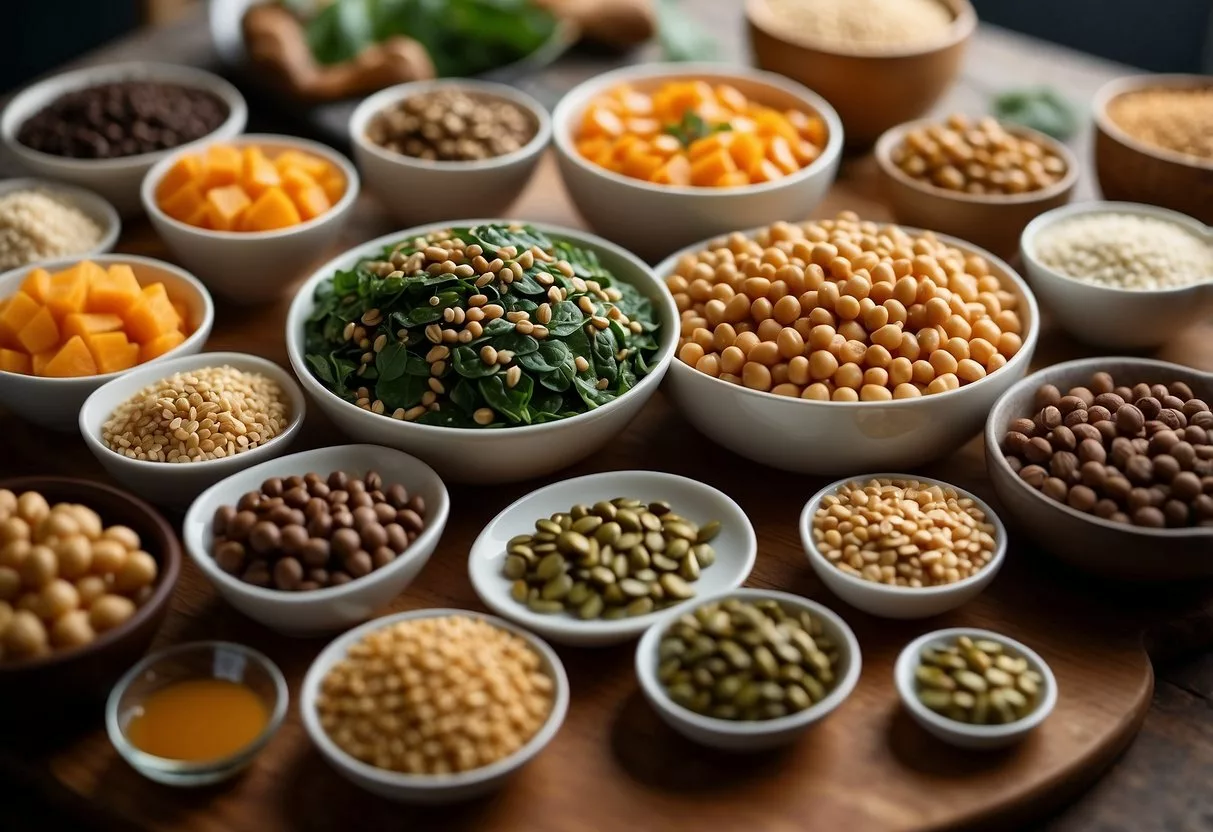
(451, 189)
(423, 788)
(176, 484)
(736, 548)
(903, 602)
(55, 403)
(332, 608)
(653, 220)
(1106, 316)
(88, 203)
(735, 735)
(497, 455)
(247, 267)
(118, 179)
(962, 734)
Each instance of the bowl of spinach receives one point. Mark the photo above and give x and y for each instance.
(495, 351)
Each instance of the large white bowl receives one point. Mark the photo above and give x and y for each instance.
(176, 484)
(335, 607)
(653, 220)
(422, 788)
(736, 548)
(487, 187)
(736, 735)
(88, 203)
(491, 455)
(117, 180)
(1106, 316)
(55, 402)
(847, 438)
(252, 266)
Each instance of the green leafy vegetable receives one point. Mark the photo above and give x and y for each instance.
(692, 128)
(682, 39)
(1040, 108)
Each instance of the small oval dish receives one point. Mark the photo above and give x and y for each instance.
(964, 734)
(429, 789)
(736, 549)
(902, 602)
(174, 484)
(92, 205)
(331, 608)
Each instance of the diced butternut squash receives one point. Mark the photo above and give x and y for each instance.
(643, 127)
(67, 291)
(709, 145)
(39, 361)
(184, 202)
(312, 202)
(222, 165)
(599, 121)
(152, 316)
(226, 206)
(641, 164)
(780, 152)
(733, 179)
(113, 290)
(259, 173)
(272, 210)
(185, 170)
(677, 171)
(183, 314)
(313, 166)
(36, 284)
(201, 218)
(764, 170)
(71, 361)
(19, 311)
(746, 149)
(665, 145)
(85, 323)
(111, 351)
(14, 361)
(708, 169)
(41, 333)
(161, 344)
(334, 186)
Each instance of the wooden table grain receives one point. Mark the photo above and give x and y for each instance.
(1161, 782)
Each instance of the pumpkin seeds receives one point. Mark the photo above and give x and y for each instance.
(976, 681)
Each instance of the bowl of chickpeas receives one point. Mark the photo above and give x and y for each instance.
(978, 179)
(86, 574)
(835, 347)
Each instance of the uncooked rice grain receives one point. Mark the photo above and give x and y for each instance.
(865, 24)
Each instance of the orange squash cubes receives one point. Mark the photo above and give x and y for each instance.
(86, 320)
(249, 189)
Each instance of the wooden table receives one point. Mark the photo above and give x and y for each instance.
(1160, 784)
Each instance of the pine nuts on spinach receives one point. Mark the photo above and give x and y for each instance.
(977, 681)
(614, 559)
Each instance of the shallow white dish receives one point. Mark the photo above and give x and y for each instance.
(88, 203)
(735, 735)
(1106, 316)
(653, 220)
(736, 548)
(117, 180)
(253, 266)
(55, 403)
(176, 484)
(962, 734)
(500, 455)
(899, 601)
(417, 788)
(331, 608)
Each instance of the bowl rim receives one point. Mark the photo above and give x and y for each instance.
(376, 103)
(136, 379)
(646, 669)
(579, 97)
(335, 650)
(889, 139)
(1063, 213)
(169, 565)
(305, 295)
(1117, 87)
(88, 202)
(157, 171)
(140, 759)
(903, 673)
(819, 560)
(91, 76)
(501, 604)
(964, 23)
(1085, 366)
(667, 267)
(436, 520)
(196, 339)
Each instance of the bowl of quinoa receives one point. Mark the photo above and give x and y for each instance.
(42, 220)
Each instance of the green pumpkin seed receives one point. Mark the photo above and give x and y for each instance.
(659, 507)
(602, 575)
(677, 549)
(628, 540)
(613, 595)
(634, 588)
(572, 543)
(647, 575)
(707, 531)
(544, 548)
(543, 606)
(615, 613)
(676, 587)
(557, 588)
(590, 608)
(725, 711)
(607, 533)
(578, 511)
(638, 558)
(681, 530)
(578, 594)
(586, 525)
(651, 520)
(620, 565)
(641, 606)
(815, 689)
(514, 568)
(655, 541)
(605, 510)
(549, 526)
(628, 520)
(704, 554)
(797, 698)
(551, 566)
(664, 564)
(519, 591)
(689, 569)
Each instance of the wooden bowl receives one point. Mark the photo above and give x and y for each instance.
(1129, 170)
(872, 90)
(88, 672)
(992, 221)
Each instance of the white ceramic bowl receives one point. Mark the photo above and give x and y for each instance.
(55, 402)
(88, 203)
(736, 548)
(962, 734)
(653, 220)
(499, 455)
(421, 788)
(1109, 317)
(332, 608)
(736, 735)
(899, 601)
(841, 438)
(117, 180)
(247, 267)
(452, 189)
(173, 484)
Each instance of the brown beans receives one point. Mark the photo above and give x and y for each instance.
(452, 125)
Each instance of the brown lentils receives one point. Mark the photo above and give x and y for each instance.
(977, 681)
(1141, 455)
(309, 532)
(452, 125)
